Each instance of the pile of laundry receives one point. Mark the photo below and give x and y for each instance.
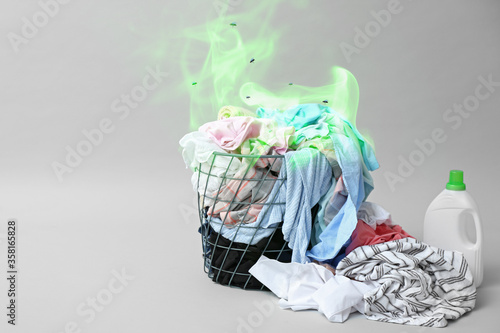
(282, 197)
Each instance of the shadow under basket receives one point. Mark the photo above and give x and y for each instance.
(230, 247)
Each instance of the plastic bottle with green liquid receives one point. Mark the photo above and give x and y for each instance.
(448, 219)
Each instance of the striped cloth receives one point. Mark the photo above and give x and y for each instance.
(420, 284)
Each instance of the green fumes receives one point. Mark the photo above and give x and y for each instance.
(229, 66)
(342, 95)
(226, 63)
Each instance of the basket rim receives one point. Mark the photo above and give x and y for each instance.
(247, 155)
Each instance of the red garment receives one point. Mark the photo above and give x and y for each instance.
(365, 235)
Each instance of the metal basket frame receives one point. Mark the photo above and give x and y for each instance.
(205, 229)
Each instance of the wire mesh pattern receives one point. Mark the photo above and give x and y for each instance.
(237, 207)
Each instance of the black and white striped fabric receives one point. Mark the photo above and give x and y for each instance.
(420, 284)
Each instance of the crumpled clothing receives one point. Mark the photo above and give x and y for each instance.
(336, 202)
(230, 111)
(308, 176)
(264, 134)
(338, 126)
(319, 129)
(329, 205)
(325, 146)
(250, 146)
(242, 198)
(373, 214)
(297, 116)
(250, 233)
(198, 150)
(312, 286)
(419, 284)
(356, 158)
(311, 131)
(366, 235)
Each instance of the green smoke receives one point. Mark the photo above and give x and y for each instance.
(217, 56)
(341, 95)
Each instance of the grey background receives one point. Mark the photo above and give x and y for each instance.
(129, 204)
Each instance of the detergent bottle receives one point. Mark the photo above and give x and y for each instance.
(446, 222)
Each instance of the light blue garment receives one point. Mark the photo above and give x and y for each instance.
(318, 129)
(309, 176)
(356, 158)
(244, 233)
(319, 225)
(298, 116)
(309, 179)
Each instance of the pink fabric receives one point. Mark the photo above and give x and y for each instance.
(231, 133)
(365, 235)
(249, 192)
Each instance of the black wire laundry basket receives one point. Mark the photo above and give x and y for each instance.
(234, 228)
